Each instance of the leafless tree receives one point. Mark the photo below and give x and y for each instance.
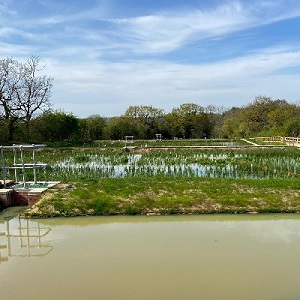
(35, 93)
(10, 81)
(23, 92)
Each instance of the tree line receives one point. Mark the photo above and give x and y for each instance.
(26, 115)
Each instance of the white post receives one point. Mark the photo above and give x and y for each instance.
(3, 167)
(23, 166)
(15, 163)
(34, 164)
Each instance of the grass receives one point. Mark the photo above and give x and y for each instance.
(171, 143)
(167, 181)
(73, 165)
(164, 195)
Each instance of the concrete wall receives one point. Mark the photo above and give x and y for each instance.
(25, 197)
(6, 197)
(10, 197)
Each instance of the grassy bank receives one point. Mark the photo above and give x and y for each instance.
(169, 195)
(110, 181)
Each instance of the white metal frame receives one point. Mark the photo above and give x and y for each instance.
(22, 165)
(128, 139)
(158, 137)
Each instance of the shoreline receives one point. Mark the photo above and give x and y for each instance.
(171, 196)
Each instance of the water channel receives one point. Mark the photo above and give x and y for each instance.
(174, 257)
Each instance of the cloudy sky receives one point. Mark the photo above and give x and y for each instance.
(106, 55)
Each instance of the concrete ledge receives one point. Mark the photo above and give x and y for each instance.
(36, 189)
(22, 196)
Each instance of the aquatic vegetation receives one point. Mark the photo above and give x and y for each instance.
(71, 165)
(170, 182)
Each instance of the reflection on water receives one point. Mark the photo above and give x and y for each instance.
(22, 238)
(175, 257)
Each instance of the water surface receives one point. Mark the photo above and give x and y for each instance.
(174, 257)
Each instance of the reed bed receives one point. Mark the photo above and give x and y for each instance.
(164, 182)
(245, 164)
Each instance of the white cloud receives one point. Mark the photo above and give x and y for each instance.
(111, 87)
(159, 33)
(168, 31)
(16, 51)
(104, 63)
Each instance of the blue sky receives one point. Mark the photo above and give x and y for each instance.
(106, 55)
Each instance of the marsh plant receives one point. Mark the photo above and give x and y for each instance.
(71, 165)
(169, 182)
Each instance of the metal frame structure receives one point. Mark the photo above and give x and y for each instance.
(22, 165)
(158, 137)
(128, 139)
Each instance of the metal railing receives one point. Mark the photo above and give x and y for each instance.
(19, 163)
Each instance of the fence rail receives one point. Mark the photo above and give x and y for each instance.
(282, 139)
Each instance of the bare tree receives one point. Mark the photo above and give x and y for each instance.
(10, 82)
(23, 92)
(35, 92)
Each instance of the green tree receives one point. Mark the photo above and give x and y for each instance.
(91, 128)
(292, 127)
(189, 120)
(263, 117)
(216, 116)
(117, 128)
(281, 115)
(54, 126)
(232, 127)
(149, 116)
(255, 115)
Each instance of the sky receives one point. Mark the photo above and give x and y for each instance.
(107, 55)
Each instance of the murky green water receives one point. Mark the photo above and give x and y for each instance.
(181, 257)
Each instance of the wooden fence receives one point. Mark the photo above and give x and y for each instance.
(282, 139)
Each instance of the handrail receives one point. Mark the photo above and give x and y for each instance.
(23, 165)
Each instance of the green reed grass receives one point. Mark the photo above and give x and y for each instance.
(72, 165)
(164, 182)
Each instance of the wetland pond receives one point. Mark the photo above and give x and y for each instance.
(165, 257)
